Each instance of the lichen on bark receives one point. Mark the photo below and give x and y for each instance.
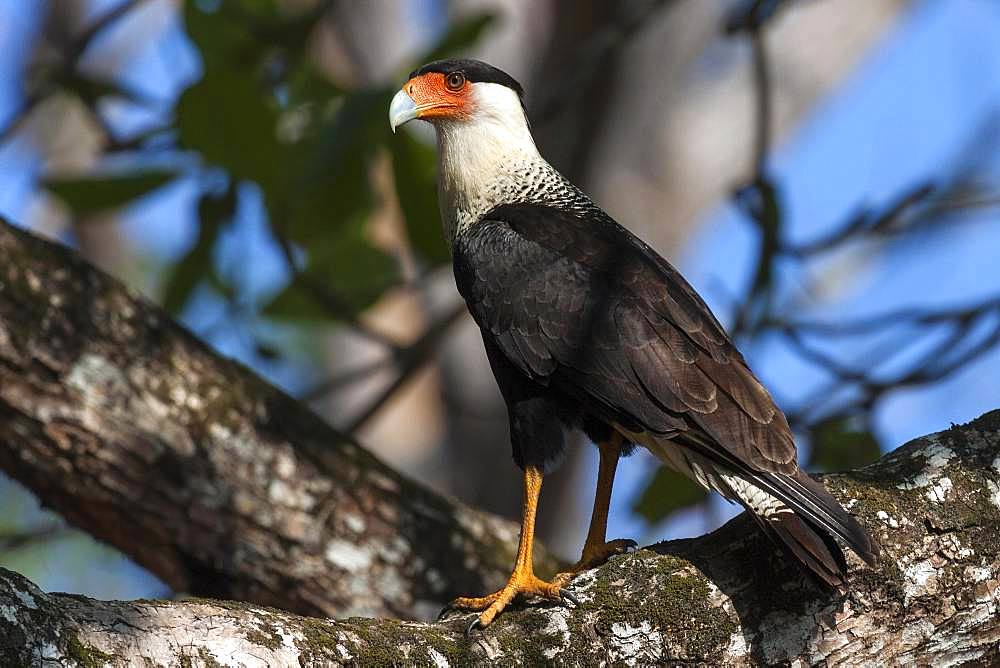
(726, 598)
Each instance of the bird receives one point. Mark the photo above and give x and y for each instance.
(587, 328)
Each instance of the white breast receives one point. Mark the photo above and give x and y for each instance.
(483, 161)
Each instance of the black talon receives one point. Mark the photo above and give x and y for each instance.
(444, 611)
(569, 596)
(472, 626)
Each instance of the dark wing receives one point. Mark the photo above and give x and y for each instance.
(577, 302)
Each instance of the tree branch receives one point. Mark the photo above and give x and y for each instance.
(221, 485)
(724, 599)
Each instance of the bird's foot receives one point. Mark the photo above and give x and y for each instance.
(593, 556)
(520, 585)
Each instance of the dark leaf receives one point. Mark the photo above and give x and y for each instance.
(667, 493)
(222, 39)
(415, 172)
(330, 188)
(232, 122)
(838, 446)
(214, 213)
(348, 267)
(87, 195)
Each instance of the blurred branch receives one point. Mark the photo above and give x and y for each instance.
(629, 20)
(932, 366)
(759, 198)
(15, 540)
(862, 224)
(66, 68)
(751, 15)
(918, 208)
(762, 86)
(345, 379)
(410, 360)
(914, 316)
(83, 42)
(324, 295)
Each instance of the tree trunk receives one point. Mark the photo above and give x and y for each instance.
(223, 486)
(726, 598)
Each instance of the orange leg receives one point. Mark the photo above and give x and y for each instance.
(523, 582)
(595, 550)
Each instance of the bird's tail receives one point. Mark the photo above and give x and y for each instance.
(793, 509)
(801, 515)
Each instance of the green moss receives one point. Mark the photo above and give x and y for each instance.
(319, 642)
(85, 655)
(677, 603)
(268, 637)
(449, 649)
(875, 497)
(381, 640)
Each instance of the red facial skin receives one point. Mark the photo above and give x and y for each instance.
(435, 100)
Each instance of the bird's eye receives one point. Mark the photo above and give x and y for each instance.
(455, 81)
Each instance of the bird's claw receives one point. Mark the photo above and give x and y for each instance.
(565, 596)
(448, 608)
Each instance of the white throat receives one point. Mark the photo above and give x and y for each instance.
(480, 158)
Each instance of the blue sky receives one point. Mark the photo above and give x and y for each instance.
(903, 117)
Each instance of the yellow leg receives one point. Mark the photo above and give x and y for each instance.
(523, 582)
(595, 550)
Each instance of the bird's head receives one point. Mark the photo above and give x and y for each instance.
(482, 133)
(457, 93)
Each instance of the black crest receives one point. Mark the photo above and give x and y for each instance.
(475, 71)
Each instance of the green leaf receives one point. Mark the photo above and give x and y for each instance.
(415, 172)
(838, 446)
(348, 267)
(214, 213)
(232, 122)
(222, 39)
(87, 195)
(331, 186)
(666, 493)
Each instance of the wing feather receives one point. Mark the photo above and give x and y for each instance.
(577, 302)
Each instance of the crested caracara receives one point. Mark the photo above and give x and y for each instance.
(587, 327)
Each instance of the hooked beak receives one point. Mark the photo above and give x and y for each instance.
(402, 110)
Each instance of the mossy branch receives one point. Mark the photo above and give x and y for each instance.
(726, 598)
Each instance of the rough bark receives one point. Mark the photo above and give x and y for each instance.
(726, 598)
(223, 486)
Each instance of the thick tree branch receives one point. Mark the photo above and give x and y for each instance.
(221, 485)
(724, 599)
